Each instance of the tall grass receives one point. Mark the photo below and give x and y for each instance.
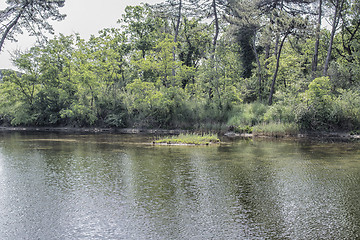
(276, 129)
(247, 114)
(194, 139)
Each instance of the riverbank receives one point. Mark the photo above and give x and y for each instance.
(331, 136)
(94, 130)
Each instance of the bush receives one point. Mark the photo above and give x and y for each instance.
(247, 114)
(276, 129)
(23, 115)
(314, 110)
(79, 114)
(280, 113)
(346, 111)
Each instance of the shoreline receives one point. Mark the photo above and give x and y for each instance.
(318, 136)
(336, 136)
(92, 130)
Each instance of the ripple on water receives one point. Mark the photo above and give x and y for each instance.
(81, 188)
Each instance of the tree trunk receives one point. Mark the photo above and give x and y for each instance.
(272, 90)
(267, 54)
(177, 33)
(276, 48)
(212, 57)
(258, 64)
(317, 39)
(277, 34)
(333, 30)
(9, 27)
(217, 29)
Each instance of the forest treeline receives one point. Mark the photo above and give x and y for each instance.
(264, 65)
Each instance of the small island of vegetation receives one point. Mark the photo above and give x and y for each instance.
(189, 139)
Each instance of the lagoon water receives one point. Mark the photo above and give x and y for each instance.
(63, 186)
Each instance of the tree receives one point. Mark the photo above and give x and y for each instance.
(245, 20)
(338, 8)
(346, 44)
(161, 64)
(31, 15)
(317, 38)
(25, 86)
(194, 44)
(173, 10)
(141, 27)
(286, 24)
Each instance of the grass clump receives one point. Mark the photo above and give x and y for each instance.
(191, 139)
(276, 129)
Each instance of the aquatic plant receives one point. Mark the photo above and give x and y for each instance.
(191, 139)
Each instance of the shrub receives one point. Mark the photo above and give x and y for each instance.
(314, 110)
(346, 111)
(280, 113)
(247, 114)
(79, 114)
(276, 129)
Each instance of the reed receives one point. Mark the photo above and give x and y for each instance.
(189, 139)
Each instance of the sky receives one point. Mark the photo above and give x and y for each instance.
(85, 17)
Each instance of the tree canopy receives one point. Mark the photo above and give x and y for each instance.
(244, 65)
(29, 15)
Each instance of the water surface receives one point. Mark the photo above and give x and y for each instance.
(63, 186)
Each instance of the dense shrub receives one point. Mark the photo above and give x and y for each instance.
(315, 107)
(345, 111)
(247, 114)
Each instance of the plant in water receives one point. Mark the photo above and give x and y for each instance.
(193, 139)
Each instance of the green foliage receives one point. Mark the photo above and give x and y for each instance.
(141, 26)
(276, 129)
(79, 114)
(142, 96)
(346, 111)
(146, 103)
(242, 129)
(281, 112)
(195, 139)
(318, 94)
(149, 73)
(164, 69)
(22, 114)
(314, 111)
(247, 114)
(195, 42)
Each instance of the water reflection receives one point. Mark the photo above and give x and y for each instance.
(108, 187)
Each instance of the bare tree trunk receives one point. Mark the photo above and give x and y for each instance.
(267, 54)
(267, 51)
(272, 90)
(217, 29)
(276, 48)
(317, 39)
(258, 64)
(277, 41)
(178, 21)
(333, 30)
(177, 33)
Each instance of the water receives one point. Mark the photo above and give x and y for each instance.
(57, 186)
